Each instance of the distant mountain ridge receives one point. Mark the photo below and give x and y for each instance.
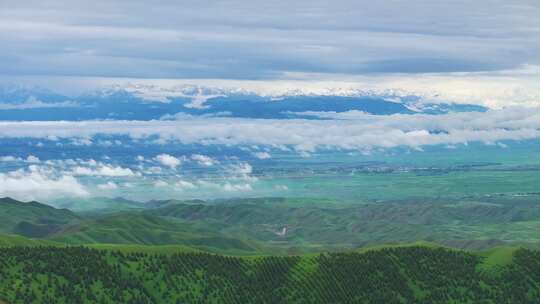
(139, 102)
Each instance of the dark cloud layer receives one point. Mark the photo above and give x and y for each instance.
(264, 39)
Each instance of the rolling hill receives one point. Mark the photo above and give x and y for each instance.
(32, 219)
(290, 224)
(282, 226)
(144, 229)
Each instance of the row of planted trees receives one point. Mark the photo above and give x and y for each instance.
(392, 275)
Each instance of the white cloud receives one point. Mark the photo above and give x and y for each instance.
(160, 183)
(90, 162)
(242, 168)
(198, 101)
(33, 103)
(281, 187)
(81, 142)
(153, 170)
(168, 160)
(108, 186)
(32, 159)
(304, 154)
(181, 184)
(262, 155)
(204, 160)
(9, 158)
(350, 130)
(37, 183)
(241, 171)
(103, 170)
(237, 187)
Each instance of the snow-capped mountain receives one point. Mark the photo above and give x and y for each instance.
(17, 94)
(146, 102)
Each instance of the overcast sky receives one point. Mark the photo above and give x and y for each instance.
(265, 39)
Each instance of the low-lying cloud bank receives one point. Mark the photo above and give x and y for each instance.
(349, 130)
(51, 179)
(37, 183)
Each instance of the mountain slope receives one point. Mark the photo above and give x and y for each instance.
(282, 226)
(407, 274)
(313, 227)
(32, 219)
(144, 229)
(7, 240)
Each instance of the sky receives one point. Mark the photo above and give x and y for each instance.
(265, 39)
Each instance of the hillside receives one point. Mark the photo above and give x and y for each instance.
(32, 219)
(402, 274)
(7, 240)
(144, 229)
(313, 226)
(283, 226)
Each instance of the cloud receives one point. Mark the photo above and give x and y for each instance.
(241, 171)
(160, 184)
(242, 168)
(108, 186)
(237, 187)
(492, 89)
(81, 142)
(10, 158)
(204, 160)
(168, 160)
(37, 183)
(262, 155)
(281, 187)
(103, 170)
(238, 39)
(182, 185)
(32, 159)
(347, 130)
(33, 103)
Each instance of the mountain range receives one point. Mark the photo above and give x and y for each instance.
(280, 225)
(152, 102)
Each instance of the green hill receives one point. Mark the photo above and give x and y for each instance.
(398, 274)
(32, 219)
(283, 226)
(314, 227)
(145, 229)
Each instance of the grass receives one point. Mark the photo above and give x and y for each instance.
(127, 248)
(253, 226)
(497, 257)
(7, 240)
(404, 245)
